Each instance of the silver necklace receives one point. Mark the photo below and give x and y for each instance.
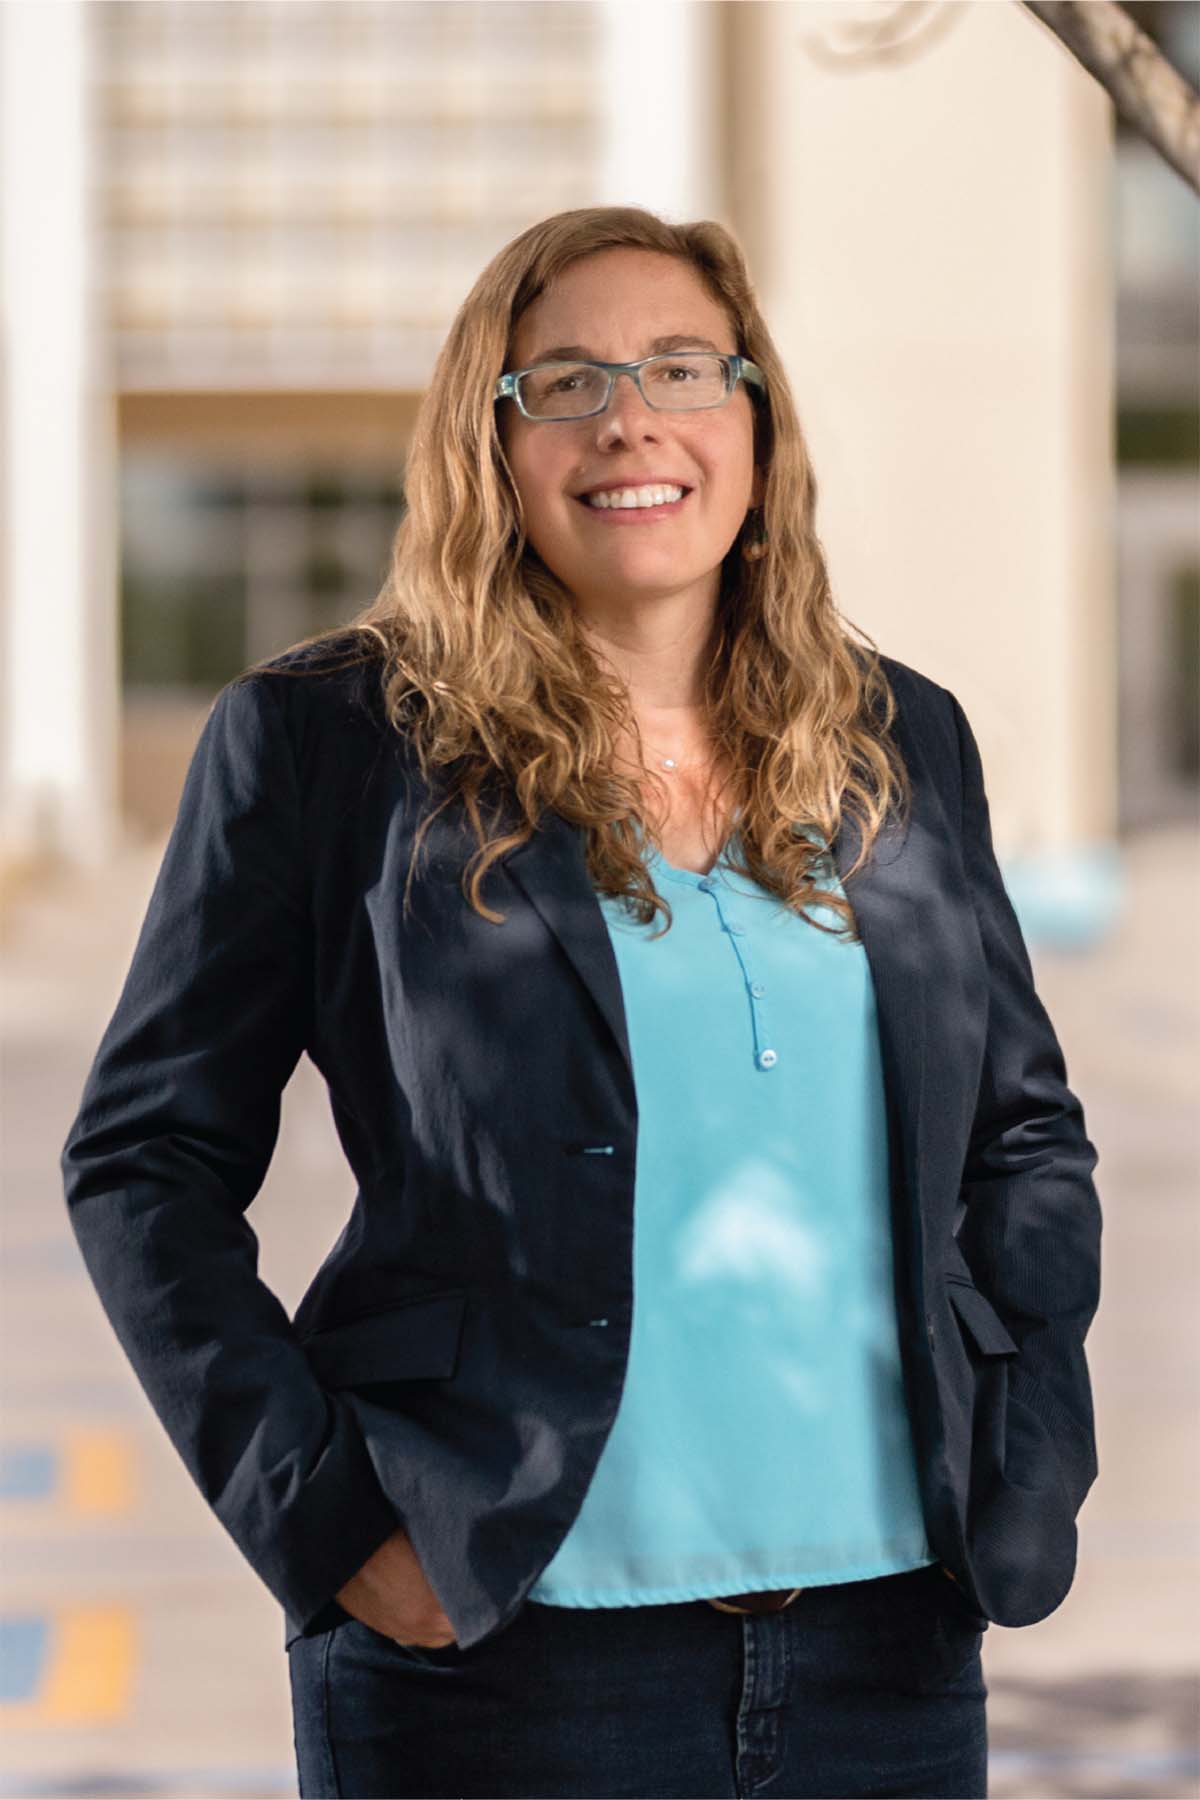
(672, 764)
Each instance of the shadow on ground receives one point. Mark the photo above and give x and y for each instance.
(1103, 1737)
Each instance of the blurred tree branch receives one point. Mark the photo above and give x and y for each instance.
(1148, 92)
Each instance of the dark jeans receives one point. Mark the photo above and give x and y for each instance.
(867, 1687)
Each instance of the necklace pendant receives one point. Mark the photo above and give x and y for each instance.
(668, 762)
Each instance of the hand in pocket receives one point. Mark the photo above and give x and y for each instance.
(391, 1595)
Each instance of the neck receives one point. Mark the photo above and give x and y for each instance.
(660, 654)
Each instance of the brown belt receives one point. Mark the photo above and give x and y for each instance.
(770, 1600)
(766, 1600)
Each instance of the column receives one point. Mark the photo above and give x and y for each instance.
(60, 681)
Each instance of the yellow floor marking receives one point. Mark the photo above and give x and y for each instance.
(89, 1673)
(98, 1473)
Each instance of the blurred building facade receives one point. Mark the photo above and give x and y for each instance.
(256, 222)
(1158, 445)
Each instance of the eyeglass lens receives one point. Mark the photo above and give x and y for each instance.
(671, 383)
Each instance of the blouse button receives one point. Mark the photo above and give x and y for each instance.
(757, 989)
(767, 1059)
(705, 886)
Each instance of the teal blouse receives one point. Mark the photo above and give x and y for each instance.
(762, 1438)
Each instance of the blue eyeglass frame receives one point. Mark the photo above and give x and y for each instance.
(737, 368)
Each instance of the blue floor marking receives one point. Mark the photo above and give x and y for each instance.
(27, 1471)
(23, 1644)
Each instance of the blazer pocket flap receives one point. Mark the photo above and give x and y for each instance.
(416, 1339)
(981, 1320)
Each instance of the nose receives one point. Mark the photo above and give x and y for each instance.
(626, 411)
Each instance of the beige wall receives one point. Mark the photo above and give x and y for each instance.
(930, 231)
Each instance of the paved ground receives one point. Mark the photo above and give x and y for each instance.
(143, 1657)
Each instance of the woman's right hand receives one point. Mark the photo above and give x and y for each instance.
(391, 1595)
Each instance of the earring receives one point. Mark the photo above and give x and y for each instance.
(755, 547)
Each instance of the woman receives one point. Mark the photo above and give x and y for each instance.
(647, 931)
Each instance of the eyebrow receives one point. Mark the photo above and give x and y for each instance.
(578, 352)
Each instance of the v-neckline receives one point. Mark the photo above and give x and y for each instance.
(693, 877)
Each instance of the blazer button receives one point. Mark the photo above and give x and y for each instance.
(929, 1327)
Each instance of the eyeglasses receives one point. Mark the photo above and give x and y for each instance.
(576, 390)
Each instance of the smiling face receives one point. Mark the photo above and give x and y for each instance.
(618, 306)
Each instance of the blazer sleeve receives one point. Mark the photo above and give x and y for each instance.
(1032, 1225)
(173, 1137)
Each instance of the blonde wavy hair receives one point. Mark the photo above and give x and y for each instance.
(486, 672)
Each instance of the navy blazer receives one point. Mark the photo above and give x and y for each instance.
(457, 1361)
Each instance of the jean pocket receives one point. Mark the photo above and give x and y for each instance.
(961, 1608)
(933, 1652)
(430, 1653)
(380, 1645)
(928, 1640)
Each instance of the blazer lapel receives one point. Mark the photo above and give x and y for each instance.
(884, 898)
(551, 871)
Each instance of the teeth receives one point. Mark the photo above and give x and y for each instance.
(643, 496)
